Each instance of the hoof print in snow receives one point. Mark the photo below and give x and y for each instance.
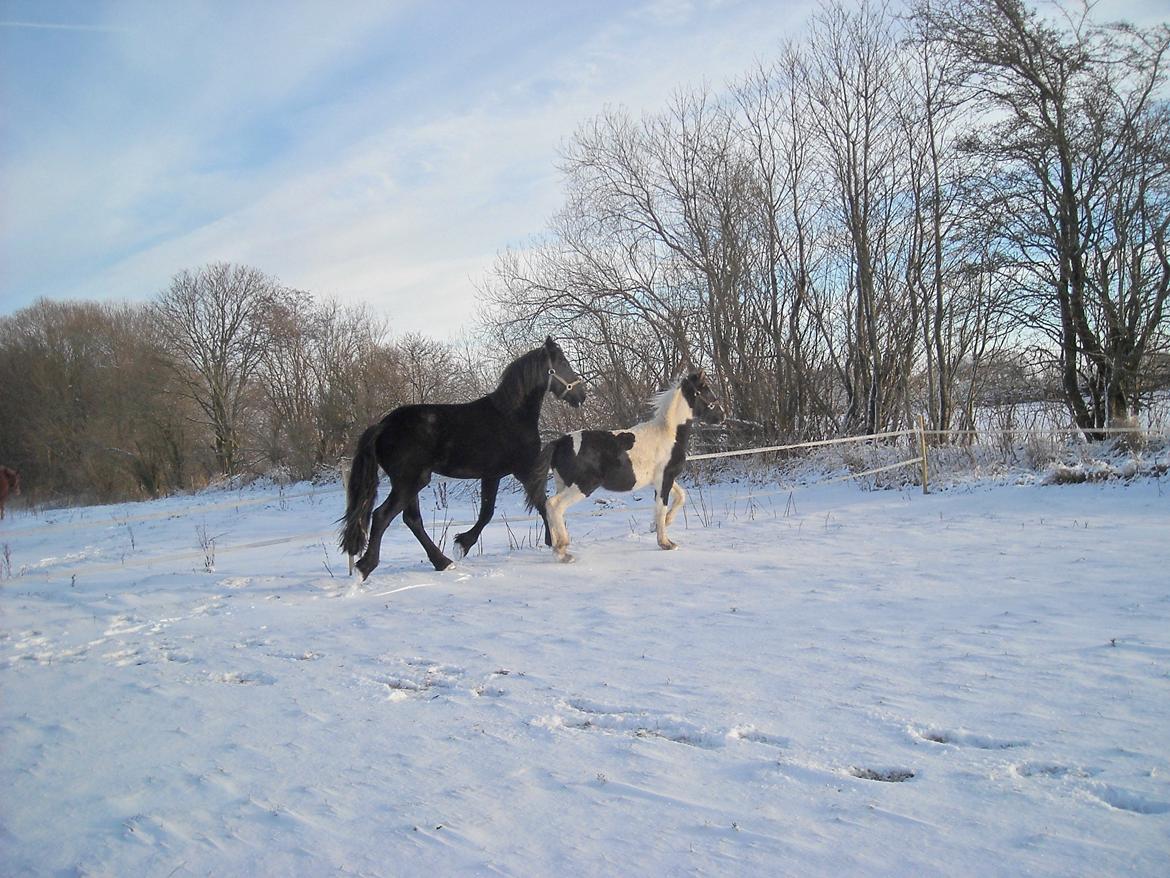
(244, 678)
(418, 676)
(639, 723)
(965, 739)
(1127, 800)
(755, 736)
(1049, 769)
(885, 775)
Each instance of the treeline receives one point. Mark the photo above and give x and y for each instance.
(965, 204)
(901, 214)
(226, 372)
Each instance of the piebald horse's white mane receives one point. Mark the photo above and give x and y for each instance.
(661, 401)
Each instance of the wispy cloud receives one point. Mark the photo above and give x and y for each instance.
(42, 25)
(374, 152)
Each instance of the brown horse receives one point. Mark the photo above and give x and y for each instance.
(9, 484)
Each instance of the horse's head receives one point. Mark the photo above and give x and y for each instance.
(563, 381)
(704, 403)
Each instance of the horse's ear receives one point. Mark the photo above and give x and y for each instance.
(702, 376)
(549, 343)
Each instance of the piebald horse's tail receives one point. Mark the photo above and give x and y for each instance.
(360, 493)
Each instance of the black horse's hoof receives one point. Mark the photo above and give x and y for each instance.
(364, 569)
(442, 563)
(464, 543)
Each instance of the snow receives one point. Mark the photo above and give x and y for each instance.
(829, 682)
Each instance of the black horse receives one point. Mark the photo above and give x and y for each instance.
(486, 439)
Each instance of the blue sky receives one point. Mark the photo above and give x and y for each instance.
(373, 151)
(380, 152)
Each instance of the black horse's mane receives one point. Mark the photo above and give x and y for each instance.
(520, 378)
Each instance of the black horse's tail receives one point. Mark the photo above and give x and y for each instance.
(360, 492)
(537, 481)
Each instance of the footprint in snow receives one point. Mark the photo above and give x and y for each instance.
(958, 738)
(122, 657)
(1128, 800)
(1114, 797)
(416, 676)
(121, 625)
(589, 715)
(1051, 770)
(885, 775)
(755, 736)
(306, 656)
(243, 678)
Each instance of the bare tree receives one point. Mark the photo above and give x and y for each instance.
(606, 283)
(1077, 132)
(327, 371)
(854, 232)
(856, 87)
(793, 201)
(952, 269)
(87, 416)
(212, 320)
(286, 372)
(353, 368)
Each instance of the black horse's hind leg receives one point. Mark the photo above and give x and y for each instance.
(381, 519)
(412, 518)
(487, 508)
(542, 508)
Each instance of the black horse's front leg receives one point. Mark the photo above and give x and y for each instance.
(487, 508)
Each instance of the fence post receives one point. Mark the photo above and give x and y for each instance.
(922, 451)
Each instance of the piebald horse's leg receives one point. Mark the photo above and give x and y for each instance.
(556, 506)
(677, 498)
(661, 515)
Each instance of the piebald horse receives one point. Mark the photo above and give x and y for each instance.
(652, 452)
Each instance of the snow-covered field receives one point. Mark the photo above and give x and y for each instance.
(828, 682)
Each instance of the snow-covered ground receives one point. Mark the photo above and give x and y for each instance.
(828, 682)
